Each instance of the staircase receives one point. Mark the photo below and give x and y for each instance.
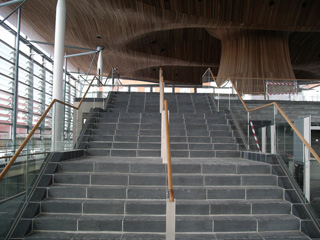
(119, 190)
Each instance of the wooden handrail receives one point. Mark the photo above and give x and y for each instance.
(169, 165)
(279, 109)
(24, 143)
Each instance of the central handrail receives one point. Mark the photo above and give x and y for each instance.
(170, 184)
(167, 135)
(24, 143)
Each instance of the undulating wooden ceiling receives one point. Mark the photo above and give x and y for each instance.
(140, 36)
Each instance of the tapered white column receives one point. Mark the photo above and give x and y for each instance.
(57, 124)
(100, 70)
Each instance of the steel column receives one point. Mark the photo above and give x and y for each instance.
(16, 85)
(64, 95)
(30, 93)
(43, 99)
(10, 2)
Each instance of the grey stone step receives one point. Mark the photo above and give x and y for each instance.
(126, 126)
(223, 140)
(122, 153)
(95, 178)
(114, 223)
(126, 138)
(204, 154)
(249, 193)
(161, 236)
(215, 167)
(159, 192)
(126, 132)
(218, 127)
(104, 145)
(106, 192)
(111, 167)
(219, 133)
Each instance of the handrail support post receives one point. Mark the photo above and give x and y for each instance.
(170, 220)
(163, 138)
(16, 84)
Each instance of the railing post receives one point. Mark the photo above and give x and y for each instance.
(218, 102)
(16, 85)
(273, 139)
(248, 124)
(170, 220)
(264, 139)
(163, 137)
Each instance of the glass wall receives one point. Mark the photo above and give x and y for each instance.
(34, 90)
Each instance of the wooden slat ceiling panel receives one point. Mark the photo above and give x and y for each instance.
(135, 32)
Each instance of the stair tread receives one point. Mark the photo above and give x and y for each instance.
(214, 187)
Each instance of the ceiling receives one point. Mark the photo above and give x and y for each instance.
(140, 36)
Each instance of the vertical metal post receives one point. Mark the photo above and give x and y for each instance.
(267, 90)
(229, 101)
(273, 139)
(160, 90)
(248, 124)
(30, 92)
(275, 112)
(170, 220)
(69, 113)
(65, 77)
(58, 72)
(163, 138)
(218, 102)
(264, 139)
(307, 175)
(112, 74)
(16, 85)
(43, 98)
(64, 94)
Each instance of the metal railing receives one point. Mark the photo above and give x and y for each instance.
(314, 153)
(24, 143)
(267, 105)
(290, 166)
